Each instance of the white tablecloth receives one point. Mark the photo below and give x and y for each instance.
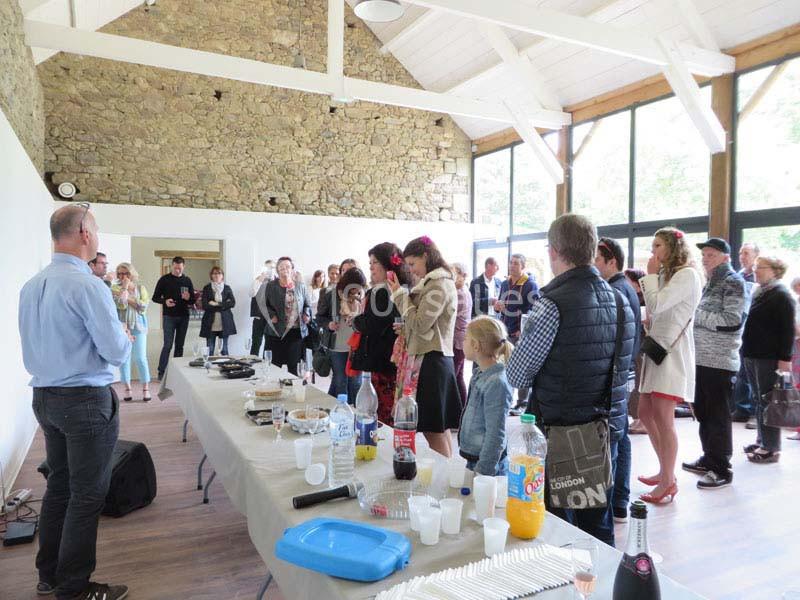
(260, 477)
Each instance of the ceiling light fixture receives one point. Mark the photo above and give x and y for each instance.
(379, 11)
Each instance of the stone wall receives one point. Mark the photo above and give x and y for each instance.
(132, 134)
(21, 97)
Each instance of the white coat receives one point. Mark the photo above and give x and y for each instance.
(670, 307)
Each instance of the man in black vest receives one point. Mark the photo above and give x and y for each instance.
(566, 352)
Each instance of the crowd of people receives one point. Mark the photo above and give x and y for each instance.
(595, 347)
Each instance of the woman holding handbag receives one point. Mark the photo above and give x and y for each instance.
(672, 290)
(374, 352)
(767, 348)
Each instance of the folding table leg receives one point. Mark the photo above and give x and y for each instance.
(200, 472)
(185, 426)
(262, 592)
(208, 484)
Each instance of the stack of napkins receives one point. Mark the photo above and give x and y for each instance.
(513, 574)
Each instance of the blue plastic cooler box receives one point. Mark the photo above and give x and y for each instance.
(345, 549)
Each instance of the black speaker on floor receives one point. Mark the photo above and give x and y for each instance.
(133, 479)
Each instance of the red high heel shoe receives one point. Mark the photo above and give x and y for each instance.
(649, 480)
(665, 498)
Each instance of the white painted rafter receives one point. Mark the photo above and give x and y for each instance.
(521, 65)
(28, 6)
(688, 92)
(581, 31)
(336, 49)
(409, 31)
(114, 47)
(694, 22)
(530, 136)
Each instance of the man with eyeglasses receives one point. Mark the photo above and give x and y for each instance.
(99, 267)
(71, 338)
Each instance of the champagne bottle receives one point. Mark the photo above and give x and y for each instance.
(636, 576)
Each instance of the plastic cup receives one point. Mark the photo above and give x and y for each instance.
(502, 491)
(415, 504)
(485, 494)
(430, 521)
(425, 470)
(299, 392)
(302, 452)
(495, 532)
(455, 469)
(315, 474)
(451, 515)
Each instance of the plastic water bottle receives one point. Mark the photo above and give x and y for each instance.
(342, 453)
(366, 420)
(405, 431)
(527, 451)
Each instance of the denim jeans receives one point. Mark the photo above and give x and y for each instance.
(762, 376)
(80, 426)
(340, 382)
(742, 400)
(597, 522)
(212, 343)
(139, 356)
(500, 469)
(174, 327)
(621, 469)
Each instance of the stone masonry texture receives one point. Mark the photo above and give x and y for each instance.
(131, 134)
(21, 96)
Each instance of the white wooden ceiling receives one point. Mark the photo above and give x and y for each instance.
(446, 52)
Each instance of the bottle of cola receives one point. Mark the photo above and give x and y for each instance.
(405, 431)
(636, 576)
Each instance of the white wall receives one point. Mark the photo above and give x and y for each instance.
(117, 248)
(27, 206)
(250, 238)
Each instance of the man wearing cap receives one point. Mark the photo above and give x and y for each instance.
(718, 325)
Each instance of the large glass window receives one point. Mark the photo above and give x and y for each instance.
(601, 168)
(492, 195)
(534, 192)
(672, 162)
(537, 262)
(781, 242)
(768, 138)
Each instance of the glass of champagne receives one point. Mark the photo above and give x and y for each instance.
(278, 415)
(585, 555)
(314, 415)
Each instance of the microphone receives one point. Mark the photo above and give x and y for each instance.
(349, 490)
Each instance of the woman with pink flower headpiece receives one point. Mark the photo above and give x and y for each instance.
(374, 352)
(429, 310)
(672, 290)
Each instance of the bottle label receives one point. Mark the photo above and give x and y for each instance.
(405, 438)
(341, 431)
(366, 432)
(526, 480)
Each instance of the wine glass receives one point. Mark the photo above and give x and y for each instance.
(585, 555)
(314, 416)
(278, 415)
(268, 356)
(248, 343)
(302, 371)
(196, 349)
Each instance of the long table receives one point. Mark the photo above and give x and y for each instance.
(260, 478)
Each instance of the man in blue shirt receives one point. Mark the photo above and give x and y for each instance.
(71, 338)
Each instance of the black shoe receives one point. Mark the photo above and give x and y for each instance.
(712, 481)
(696, 467)
(102, 591)
(739, 417)
(620, 514)
(44, 589)
(127, 398)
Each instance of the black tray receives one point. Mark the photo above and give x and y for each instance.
(266, 419)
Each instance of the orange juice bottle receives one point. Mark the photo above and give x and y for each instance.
(527, 450)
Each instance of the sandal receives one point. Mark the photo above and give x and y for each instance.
(655, 480)
(794, 436)
(764, 457)
(667, 497)
(146, 397)
(751, 448)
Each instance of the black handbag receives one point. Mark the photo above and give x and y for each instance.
(655, 351)
(321, 361)
(783, 404)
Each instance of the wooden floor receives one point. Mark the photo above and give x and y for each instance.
(740, 542)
